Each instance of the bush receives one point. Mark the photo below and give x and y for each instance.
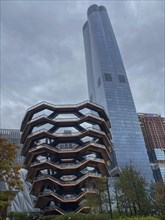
(162, 217)
(49, 217)
(140, 218)
(24, 215)
(79, 216)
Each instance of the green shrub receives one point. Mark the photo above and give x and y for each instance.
(162, 217)
(140, 218)
(50, 217)
(23, 215)
(79, 216)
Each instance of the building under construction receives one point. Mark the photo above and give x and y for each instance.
(153, 129)
(65, 147)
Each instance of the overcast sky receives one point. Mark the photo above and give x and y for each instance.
(42, 53)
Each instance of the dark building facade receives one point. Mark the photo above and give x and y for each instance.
(108, 85)
(153, 129)
(65, 147)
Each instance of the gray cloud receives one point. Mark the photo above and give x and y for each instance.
(43, 55)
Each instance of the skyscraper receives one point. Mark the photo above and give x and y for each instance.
(153, 129)
(108, 85)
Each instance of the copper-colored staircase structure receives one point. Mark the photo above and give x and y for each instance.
(64, 147)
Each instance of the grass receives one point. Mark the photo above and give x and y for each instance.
(79, 216)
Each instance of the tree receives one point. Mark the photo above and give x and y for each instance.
(99, 200)
(9, 173)
(91, 201)
(157, 198)
(132, 192)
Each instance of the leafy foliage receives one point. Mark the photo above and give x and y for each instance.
(98, 200)
(9, 172)
(24, 215)
(104, 216)
(5, 199)
(157, 197)
(80, 216)
(131, 193)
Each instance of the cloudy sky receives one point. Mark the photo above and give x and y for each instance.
(42, 53)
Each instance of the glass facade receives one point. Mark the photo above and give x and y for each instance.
(157, 160)
(104, 64)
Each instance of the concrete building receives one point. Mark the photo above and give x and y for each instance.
(153, 129)
(108, 85)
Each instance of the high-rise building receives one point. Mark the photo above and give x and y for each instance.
(153, 129)
(65, 154)
(108, 85)
(14, 135)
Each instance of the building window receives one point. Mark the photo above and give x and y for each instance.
(108, 77)
(99, 82)
(122, 78)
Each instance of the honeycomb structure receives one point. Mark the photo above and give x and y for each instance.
(65, 146)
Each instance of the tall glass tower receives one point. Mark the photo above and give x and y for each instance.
(108, 86)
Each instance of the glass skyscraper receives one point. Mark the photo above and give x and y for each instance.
(108, 86)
